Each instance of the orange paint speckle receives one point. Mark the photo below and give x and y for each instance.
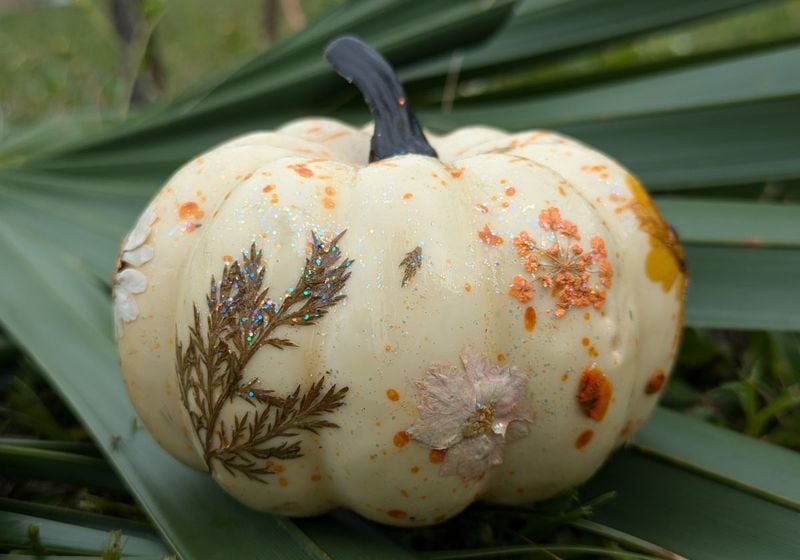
(408, 196)
(283, 482)
(274, 199)
(316, 477)
(511, 191)
(505, 204)
(301, 169)
(584, 439)
(501, 357)
(190, 210)
(392, 395)
(530, 319)
(587, 316)
(268, 188)
(656, 382)
(401, 439)
(397, 513)
(456, 173)
(388, 348)
(328, 203)
(278, 468)
(626, 429)
(593, 352)
(585, 341)
(436, 456)
(489, 237)
(467, 287)
(414, 469)
(564, 376)
(227, 259)
(482, 208)
(330, 191)
(594, 393)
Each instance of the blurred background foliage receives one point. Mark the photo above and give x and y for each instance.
(107, 59)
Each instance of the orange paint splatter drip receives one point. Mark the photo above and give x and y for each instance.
(301, 169)
(456, 173)
(665, 262)
(511, 191)
(482, 208)
(437, 456)
(274, 199)
(408, 196)
(521, 288)
(388, 347)
(397, 514)
(656, 382)
(600, 170)
(594, 393)
(489, 237)
(566, 269)
(585, 341)
(392, 395)
(190, 210)
(268, 188)
(401, 439)
(330, 191)
(328, 203)
(501, 358)
(564, 376)
(584, 439)
(587, 316)
(467, 287)
(228, 259)
(593, 352)
(530, 319)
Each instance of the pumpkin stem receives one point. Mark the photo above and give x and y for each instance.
(397, 130)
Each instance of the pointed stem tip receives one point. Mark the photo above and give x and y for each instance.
(397, 130)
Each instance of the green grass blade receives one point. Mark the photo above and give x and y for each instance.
(59, 537)
(77, 447)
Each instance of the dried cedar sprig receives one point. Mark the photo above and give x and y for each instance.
(242, 318)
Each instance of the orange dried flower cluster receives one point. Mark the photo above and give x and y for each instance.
(566, 270)
(521, 288)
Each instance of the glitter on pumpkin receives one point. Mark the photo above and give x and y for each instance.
(594, 393)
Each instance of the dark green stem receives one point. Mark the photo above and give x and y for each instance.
(397, 131)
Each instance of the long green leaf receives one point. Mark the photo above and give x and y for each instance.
(542, 27)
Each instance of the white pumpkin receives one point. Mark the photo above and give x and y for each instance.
(488, 324)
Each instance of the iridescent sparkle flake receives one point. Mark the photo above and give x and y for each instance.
(471, 410)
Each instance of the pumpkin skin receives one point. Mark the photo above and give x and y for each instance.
(481, 316)
(464, 210)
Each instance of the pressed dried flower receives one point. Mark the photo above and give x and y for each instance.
(471, 410)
